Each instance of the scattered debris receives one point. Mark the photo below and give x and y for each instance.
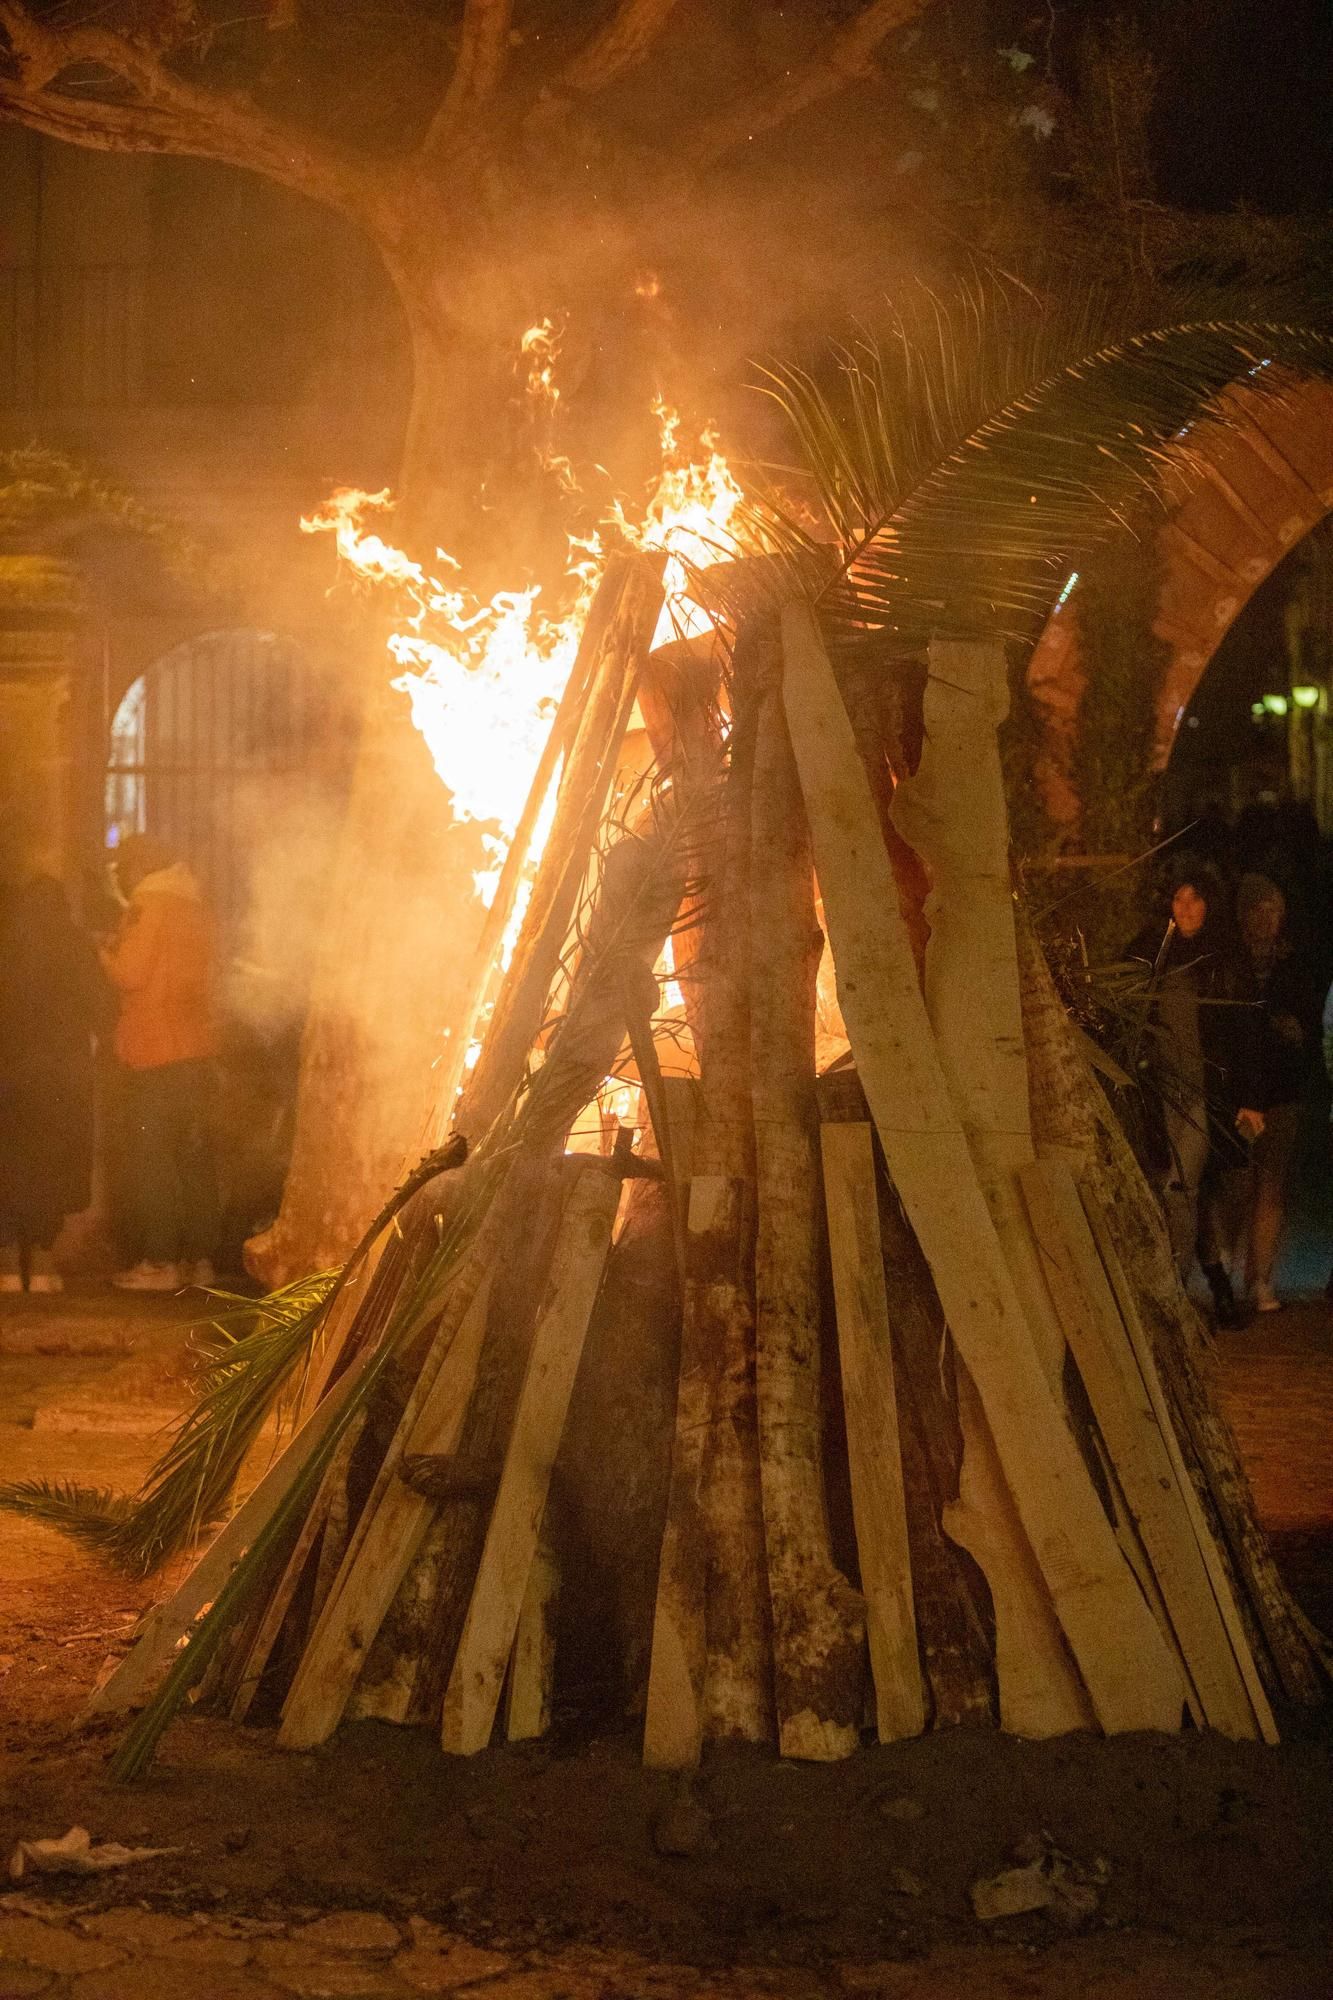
(1043, 1878)
(74, 1854)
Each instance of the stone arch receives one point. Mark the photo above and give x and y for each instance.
(1260, 480)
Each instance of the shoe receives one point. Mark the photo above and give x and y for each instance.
(199, 1273)
(1228, 1312)
(42, 1273)
(1266, 1300)
(147, 1277)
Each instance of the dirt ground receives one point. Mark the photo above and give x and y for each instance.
(801, 1879)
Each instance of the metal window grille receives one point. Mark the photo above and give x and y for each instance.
(197, 746)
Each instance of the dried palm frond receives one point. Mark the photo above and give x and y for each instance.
(92, 1515)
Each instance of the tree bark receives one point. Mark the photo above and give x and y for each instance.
(818, 1619)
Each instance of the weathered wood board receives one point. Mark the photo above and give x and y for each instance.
(1131, 1675)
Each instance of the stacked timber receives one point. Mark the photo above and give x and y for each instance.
(815, 1405)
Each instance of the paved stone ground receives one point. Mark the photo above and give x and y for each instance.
(140, 1954)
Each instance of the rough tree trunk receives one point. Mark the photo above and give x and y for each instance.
(818, 1619)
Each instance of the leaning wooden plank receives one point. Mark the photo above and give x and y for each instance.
(871, 1406)
(1039, 1686)
(1127, 1667)
(1216, 1568)
(172, 1621)
(952, 812)
(375, 1567)
(528, 1698)
(475, 1681)
(280, 1603)
(1129, 1425)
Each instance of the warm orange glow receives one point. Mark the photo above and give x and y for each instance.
(483, 677)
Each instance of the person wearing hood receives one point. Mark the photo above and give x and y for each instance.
(52, 1003)
(1286, 998)
(1202, 1069)
(161, 964)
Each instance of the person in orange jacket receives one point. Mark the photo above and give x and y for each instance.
(161, 964)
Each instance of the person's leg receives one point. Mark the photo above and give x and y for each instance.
(198, 1193)
(1273, 1154)
(151, 1137)
(1223, 1208)
(1187, 1135)
(11, 1261)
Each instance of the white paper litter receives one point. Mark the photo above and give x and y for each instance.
(75, 1854)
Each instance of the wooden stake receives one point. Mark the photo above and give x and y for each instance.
(1070, 1112)
(475, 1681)
(1129, 1671)
(531, 1686)
(1142, 1459)
(872, 1428)
(585, 781)
(372, 1572)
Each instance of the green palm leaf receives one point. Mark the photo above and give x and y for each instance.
(974, 455)
(93, 1515)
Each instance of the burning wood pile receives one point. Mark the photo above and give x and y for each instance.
(827, 1396)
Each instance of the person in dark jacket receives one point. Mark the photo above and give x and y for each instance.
(1201, 1068)
(1286, 994)
(51, 1000)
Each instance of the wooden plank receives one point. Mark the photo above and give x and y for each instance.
(473, 1692)
(871, 1405)
(972, 989)
(1039, 1686)
(1208, 1550)
(1127, 1667)
(381, 1555)
(173, 1620)
(1137, 1449)
(528, 1699)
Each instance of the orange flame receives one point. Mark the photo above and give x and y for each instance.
(483, 677)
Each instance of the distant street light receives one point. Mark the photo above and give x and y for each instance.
(1305, 697)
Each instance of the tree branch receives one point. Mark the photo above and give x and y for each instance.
(844, 58)
(167, 114)
(619, 45)
(483, 51)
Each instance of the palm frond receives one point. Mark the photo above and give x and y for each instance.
(968, 460)
(92, 1515)
(259, 1352)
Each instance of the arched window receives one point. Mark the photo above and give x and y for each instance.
(205, 748)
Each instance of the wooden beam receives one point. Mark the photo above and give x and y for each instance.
(390, 1538)
(871, 1405)
(1129, 1425)
(1213, 1563)
(531, 1685)
(475, 1681)
(1127, 1667)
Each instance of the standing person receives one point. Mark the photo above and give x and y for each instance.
(1286, 994)
(51, 1001)
(161, 963)
(1202, 1069)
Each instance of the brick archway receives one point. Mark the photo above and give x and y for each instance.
(1264, 479)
